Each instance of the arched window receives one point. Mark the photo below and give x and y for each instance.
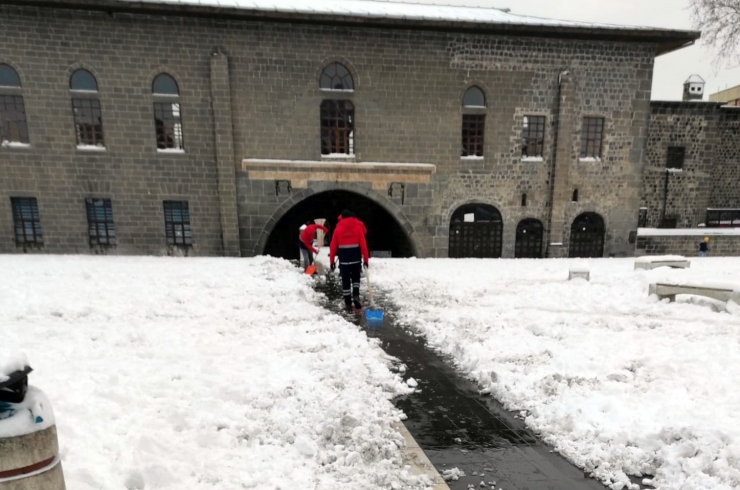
(528, 243)
(83, 80)
(9, 77)
(474, 98)
(473, 122)
(587, 236)
(476, 230)
(167, 114)
(13, 125)
(86, 109)
(337, 127)
(335, 76)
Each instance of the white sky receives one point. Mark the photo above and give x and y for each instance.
(671, 70)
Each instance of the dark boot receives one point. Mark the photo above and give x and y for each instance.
(357, 303)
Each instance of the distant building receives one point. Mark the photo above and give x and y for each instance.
(693, 88)
(730, 96)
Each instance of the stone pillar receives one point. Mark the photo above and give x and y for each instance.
(560, 175)
(225, 160)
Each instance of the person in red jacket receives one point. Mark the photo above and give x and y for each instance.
(307, 236)
(353, 215)
(348, 243)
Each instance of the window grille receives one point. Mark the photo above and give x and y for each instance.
(26, 220)
(473, 128)
(100, 222)
(533, 136)
(591, 137)
(337, 127)
(177, 223)
(88, 122)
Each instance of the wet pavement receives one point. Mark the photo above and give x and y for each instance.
(459, 428)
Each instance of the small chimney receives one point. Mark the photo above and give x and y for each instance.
(693, 88)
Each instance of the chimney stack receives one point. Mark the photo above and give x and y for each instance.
(693, 88)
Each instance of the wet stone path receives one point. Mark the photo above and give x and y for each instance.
(457, 427)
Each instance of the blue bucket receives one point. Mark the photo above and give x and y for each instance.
(374, 318)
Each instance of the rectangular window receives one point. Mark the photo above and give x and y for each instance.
(177, 223)
(675, 158)
(26, 220)
(168, 124)
(533, 136)
(337, 127)
(591, 137)
(88, 122)
(642, 218)
(13, 127)
(723, 218)
(473, 127)
(100, 222)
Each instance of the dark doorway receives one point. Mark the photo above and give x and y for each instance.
(528, 239)
(384, 234)
(476, 230)
(587, 236)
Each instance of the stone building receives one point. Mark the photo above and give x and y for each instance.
(179, 127)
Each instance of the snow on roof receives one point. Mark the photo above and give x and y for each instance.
(688, 231)
(694, 79)
(391, 10)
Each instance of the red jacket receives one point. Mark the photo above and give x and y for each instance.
(349, 232)
(309, 234)
(364, 229)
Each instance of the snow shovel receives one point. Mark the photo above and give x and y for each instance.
(311, 269)
(373, 315)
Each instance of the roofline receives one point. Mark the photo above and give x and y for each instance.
(665, 40)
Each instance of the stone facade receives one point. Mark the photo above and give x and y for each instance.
(710, 177)
(250, 106)
(688, 245)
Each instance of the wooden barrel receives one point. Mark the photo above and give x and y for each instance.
(31, 462)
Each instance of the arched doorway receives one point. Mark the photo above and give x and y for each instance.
(528, 244)
(385, 237)
(476, 230)
(587, 236)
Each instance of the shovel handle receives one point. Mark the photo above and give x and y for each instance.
(369, 286)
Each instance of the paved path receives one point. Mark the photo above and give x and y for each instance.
(458, 428)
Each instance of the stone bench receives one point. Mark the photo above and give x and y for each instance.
(670, 290)
(649, 263)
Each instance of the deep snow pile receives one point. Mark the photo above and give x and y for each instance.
(201, 374)
(615, 380)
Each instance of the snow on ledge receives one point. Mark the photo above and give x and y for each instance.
(688, 232)
(472, 157)
(91, 147)
(14, 144)
(589, 159)
(309, 163)
(338, 155)
(533, 159)
(170, 150)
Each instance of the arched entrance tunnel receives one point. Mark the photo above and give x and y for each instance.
(384, 233)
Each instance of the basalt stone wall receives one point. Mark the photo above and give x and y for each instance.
(408, 91)
(720, 245)
(710, 177)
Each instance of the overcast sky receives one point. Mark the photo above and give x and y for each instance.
(671, 70)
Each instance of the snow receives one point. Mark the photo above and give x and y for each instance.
(674, 170)
(33, 414)
(92, 147)
(577, 266)
(338, 155)
(532, 159)
(472, 157)
(589, 159)
(694, 79)
(11, 362)
(199, 373)
(14, 144)
(393, 10)
(377, 165)
(660, 258)
(615, 380)
(170, 150)
(687, 231)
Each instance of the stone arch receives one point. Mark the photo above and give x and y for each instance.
(83, 66)
(18, 71)
(158, 71)
(587, 236)
(322, 187)
(529, 239)
(481, 237)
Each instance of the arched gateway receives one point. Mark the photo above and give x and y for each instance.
(476, 230)
(587, 236)
(385, 236)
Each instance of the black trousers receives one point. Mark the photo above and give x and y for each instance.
(350, 281)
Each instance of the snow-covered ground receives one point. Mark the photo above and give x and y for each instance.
(201, 374)
(615, 380)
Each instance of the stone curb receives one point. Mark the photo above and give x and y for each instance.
(414, 456)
